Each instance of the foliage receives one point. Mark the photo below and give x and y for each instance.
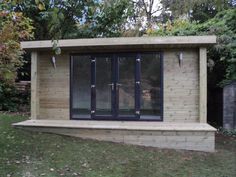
(75, 19)
(195, 7)
(13, 28)
(146, 13)
(7, 97)
(11, 99)
(223, 55)
(227, 132)
(108, 19)
(51, 19)
(207, 9)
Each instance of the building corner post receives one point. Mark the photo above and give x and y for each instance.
(203, 85)
(34, 106)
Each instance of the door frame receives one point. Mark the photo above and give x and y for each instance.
(123, 117)
(115, 79)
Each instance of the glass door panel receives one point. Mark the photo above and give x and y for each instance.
(104, 85)
(80, 92)
(126, 85)
(151, 86)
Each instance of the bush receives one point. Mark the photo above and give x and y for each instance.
(222, 56)
(13, 100)
(227, 132)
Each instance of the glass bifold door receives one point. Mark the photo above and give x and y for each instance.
(125, 86)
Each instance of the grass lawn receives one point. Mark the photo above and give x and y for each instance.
(29, 154)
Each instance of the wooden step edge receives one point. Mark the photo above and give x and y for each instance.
(116, 125)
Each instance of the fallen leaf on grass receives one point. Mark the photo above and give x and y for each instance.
(187, 158)
(17, 162)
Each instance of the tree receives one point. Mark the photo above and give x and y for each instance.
(206, 10)
(14, 27)
(183, 7)
(107, 19)
(54, 19)
(222, 57)
(148, 10)
(75, 18)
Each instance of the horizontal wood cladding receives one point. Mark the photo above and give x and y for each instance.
(54, 113)
(181, 86)
(53, 103)
(54, 86)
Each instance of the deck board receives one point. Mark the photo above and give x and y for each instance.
(117, 125)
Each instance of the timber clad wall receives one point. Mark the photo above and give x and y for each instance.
(190, 140)
(54, 87)
(181, 86)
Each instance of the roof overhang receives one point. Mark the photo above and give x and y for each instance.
(123, 43)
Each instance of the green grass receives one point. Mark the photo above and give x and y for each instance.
(29, 154)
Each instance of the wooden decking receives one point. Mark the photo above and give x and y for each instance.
(190, 136)
(117, 125)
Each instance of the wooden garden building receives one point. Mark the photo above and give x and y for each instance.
(149, 91)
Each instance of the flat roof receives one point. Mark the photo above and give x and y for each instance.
(122, 42)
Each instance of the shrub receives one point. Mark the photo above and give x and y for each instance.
(14, 27)
(13, 100)
(227, 132)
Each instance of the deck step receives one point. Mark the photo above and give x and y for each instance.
(121, 125)
(189, 136)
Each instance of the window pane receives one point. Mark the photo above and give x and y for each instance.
(81, 87)
(126, 85)
(150, 85)
(103, 87)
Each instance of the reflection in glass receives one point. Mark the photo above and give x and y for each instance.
(81, 87)
(150, 85)
(126, 85)
(103, 85)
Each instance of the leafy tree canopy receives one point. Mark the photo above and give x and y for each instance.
(190, 7)
(75, 18)
(222, 57)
